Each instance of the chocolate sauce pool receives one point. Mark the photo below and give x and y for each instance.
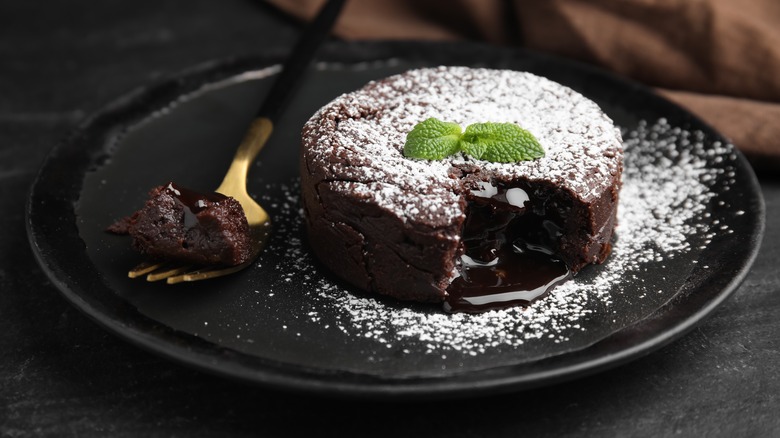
(508, 258)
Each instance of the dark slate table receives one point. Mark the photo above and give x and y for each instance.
(62, 375)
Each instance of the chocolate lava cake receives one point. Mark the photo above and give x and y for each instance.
(179, 224)
(431, 230)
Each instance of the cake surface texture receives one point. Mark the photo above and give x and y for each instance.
(179, 224)
(394, 225)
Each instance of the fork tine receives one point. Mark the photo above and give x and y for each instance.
(205, 273)
(167, 272)
(144, 268)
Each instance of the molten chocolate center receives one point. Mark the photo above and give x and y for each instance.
(508, 256)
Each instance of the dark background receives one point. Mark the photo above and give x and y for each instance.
(62, 375)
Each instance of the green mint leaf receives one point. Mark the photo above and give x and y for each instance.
(500, 143)
(433, 139)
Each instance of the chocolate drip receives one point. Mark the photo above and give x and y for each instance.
(508, 256)
(193, 202)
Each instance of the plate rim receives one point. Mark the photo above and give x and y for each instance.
(240, 366)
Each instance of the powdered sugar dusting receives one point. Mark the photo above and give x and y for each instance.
(423, 206)
(665, 211)
(365, 131)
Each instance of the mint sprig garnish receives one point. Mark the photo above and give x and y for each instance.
(500, 142)
(433, 139)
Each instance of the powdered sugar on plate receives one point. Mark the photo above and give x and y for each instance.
(666, 209)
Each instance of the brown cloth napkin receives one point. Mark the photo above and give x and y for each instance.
(718, 58)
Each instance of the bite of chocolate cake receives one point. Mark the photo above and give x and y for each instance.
(183, 225)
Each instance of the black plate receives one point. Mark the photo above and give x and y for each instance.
(285, 323)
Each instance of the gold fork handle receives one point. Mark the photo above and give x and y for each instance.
(254, 140)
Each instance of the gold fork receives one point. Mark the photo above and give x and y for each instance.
(234, 183)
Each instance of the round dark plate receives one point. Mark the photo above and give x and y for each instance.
(285, 323)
